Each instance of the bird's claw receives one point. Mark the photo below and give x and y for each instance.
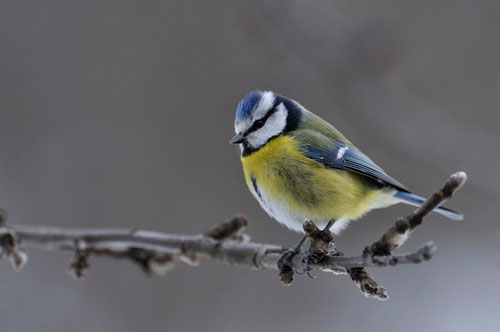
(307, 259)
(286, 258)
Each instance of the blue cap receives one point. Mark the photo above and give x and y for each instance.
(247, 105)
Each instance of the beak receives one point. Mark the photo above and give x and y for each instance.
(237, 139)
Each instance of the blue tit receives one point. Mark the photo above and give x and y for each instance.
(299, 167)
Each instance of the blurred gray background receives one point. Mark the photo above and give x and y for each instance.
(118, 114)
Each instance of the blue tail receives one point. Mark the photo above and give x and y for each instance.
(415, 200)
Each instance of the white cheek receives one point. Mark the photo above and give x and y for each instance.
(274, 126)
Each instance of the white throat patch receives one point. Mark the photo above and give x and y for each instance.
(273, 127)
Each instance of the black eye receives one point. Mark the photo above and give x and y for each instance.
(259, 123)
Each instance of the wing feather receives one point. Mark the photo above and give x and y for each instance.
(339, 155)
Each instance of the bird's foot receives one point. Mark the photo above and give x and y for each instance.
(322, 246)
(285, 262)
(307, 259)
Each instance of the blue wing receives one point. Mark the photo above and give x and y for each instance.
(342, 156)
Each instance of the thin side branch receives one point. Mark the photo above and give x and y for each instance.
(157, 252)
(397, 235)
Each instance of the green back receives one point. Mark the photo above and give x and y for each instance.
(315, 123)
(315, 131)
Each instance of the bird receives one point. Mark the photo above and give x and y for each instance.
(301, 168)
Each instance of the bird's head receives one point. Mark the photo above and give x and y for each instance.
(262, 116)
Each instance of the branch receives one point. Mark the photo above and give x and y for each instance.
(157, 252)
(397, 235)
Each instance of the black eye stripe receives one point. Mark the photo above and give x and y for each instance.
(260, 123)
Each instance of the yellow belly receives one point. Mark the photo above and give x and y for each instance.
(289, 185)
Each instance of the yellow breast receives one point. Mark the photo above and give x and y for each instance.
(289, 185)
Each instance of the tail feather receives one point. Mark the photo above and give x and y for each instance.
(415, 200)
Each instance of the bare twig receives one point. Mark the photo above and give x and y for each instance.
(8, 244)
(397, 235)
(229, 229)
(158, 252)
(366, 284)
